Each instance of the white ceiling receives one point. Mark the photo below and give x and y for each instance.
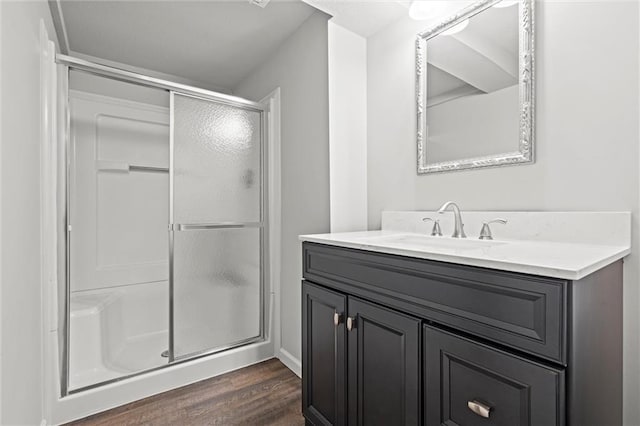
(217, 42)
(363, 17)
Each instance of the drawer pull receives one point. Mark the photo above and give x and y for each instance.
(350, 323)
(337, 319)
(479, 408)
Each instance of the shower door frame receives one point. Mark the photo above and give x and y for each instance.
(70, 63)
(174, 227)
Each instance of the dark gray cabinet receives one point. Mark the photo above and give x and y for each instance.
(380, 359)
(521, 311)
(324, 356)
(424, 342)
(384, 366)
(468, 383)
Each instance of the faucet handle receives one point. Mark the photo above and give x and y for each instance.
(485, 233)
(435, 231)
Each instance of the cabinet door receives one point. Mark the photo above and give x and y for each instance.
(468, 383)
(384, 366)
(323, 355)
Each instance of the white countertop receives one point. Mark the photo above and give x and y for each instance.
(567, 260)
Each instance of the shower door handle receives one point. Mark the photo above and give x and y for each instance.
(220, 225)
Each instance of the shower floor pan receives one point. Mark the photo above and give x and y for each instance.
(113, 334)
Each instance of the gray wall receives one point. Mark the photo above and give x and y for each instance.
(587, 136)
(20, 286)
(347, 129)
(300, 69)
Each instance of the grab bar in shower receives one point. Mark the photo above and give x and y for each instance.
(122, 167)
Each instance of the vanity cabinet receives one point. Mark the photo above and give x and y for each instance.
(468, 383)
(324, 345)
(384, 359)
(376, 365)
(390, 340)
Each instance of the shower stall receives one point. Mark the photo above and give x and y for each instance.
(163, 200)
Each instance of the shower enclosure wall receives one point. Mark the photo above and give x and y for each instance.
(166, 236)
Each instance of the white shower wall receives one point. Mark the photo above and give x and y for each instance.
(119, 215)
(119, 238)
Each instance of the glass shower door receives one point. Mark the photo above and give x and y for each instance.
(216, 232)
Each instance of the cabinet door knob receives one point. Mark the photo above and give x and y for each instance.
(350, 323)
(337, 319)
(483, 410)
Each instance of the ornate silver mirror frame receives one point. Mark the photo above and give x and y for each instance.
(525, 153)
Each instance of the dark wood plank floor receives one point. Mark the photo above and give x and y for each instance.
(263, 394)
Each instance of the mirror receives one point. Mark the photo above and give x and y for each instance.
(475, 91)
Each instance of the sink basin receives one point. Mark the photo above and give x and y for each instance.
(425, 242)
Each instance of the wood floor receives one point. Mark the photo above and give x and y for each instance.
(263, 394)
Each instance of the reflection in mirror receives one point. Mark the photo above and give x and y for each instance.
(470, 113)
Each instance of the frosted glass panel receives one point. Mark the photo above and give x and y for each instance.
(216, 280)
(216, 162)
(217, 288)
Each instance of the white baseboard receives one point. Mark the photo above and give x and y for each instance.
(291, 362)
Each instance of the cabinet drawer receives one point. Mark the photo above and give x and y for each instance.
(467, 383)
(521, 311)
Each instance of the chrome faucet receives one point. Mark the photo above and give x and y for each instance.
(458, 231)
(485, 232)
(435, 231)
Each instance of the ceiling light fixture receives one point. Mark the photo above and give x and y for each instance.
(428, 9)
